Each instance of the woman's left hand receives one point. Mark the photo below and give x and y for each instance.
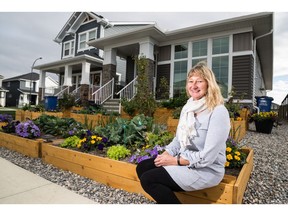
(165, 160)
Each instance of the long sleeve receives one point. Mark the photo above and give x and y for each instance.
(213, 150)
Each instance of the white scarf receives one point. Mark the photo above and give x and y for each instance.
(186, 126)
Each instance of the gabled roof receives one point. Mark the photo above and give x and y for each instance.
(29, 76)
(75, 21)
(260, 24)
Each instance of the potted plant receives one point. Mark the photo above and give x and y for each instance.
(264, 121)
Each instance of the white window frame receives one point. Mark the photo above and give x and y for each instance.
(86, 33)
(71, 48)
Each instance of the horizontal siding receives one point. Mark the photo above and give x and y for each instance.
(242, 76)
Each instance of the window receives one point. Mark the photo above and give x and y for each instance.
(220, 62)
(68, 48)
(180, 75)
(199, 52)
(85, 37)
(181, 51)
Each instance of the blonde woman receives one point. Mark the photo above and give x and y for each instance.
(196, 157)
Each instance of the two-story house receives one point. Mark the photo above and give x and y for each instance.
(3, 92)
(23, 89)
(239, 51)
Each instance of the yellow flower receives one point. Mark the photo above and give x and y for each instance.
(93, 142)
(93, 137)
(229, 157)
(237, 153)
(99, 138)
(79, 145)
(238, 119)
(228, 149)
(227, 164)
(236, 157)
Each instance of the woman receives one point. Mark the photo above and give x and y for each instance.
(196, 157)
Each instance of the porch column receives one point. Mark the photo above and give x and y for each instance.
(109, 65)
(68, 76)
(147, 50)
(85, 82)
(41, 92)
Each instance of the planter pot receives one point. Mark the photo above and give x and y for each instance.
(28, 147)
(123, 175)
(264, 126)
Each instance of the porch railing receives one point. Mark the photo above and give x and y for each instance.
(129, 91)
(76, 93)
(104, 93)
(64, 90)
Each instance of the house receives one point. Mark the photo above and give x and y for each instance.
(239, 51)
(283, 109)
(3, 93)
(23, 89)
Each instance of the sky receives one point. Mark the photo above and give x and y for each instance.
(27, 33)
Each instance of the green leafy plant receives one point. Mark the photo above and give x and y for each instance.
(70, 142)
(67, 101)
(118, 152)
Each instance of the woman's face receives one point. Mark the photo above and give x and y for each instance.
(197, 87)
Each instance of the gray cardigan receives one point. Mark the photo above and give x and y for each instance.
(206, 152)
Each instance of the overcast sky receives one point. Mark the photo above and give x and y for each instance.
(25, 36)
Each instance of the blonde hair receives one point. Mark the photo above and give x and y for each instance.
(213, 96)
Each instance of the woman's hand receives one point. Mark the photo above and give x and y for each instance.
(165, 159)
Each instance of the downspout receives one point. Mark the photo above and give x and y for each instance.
(254, 67)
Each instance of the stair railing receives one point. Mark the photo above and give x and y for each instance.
(64, 90)
(76, 93)
(128, 91)
(104, 92)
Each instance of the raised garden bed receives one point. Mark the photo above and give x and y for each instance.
(122, 175)
(28, 147)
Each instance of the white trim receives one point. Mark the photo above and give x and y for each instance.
(71, 54)
(87, 47)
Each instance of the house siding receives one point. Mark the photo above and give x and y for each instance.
(242, 42)
(164, 53)
(242, 76)
(13, 92)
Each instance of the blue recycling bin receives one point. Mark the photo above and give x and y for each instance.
(50, 103)
(264, 103)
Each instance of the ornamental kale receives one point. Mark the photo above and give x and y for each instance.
(28, 130)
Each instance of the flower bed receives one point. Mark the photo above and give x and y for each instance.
(122, 175)
(238, 128)
(29, 147)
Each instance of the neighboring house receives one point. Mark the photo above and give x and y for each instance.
(283, 109)
(239, 51)
(23, 89)
(3, 93)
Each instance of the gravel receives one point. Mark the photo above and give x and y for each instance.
(267, 184)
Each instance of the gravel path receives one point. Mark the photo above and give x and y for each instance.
(267, 184)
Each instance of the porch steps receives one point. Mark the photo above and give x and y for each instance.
(111, 105)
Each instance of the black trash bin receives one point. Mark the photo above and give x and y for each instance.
(50, 103)
(264, 103)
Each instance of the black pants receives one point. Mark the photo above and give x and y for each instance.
(157, 182)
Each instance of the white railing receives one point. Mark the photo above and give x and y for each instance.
(129, 91)
(64, 90)
(104, 93)
(76, 93)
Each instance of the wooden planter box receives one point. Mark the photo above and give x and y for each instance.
(238, 129)
(172, 124)
(19, 115)
(93, 120)
(123, 175)
(161, 115)
(28, 147)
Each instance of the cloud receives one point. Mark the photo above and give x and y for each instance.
(280, 90)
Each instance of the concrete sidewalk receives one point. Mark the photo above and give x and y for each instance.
(19, 186)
